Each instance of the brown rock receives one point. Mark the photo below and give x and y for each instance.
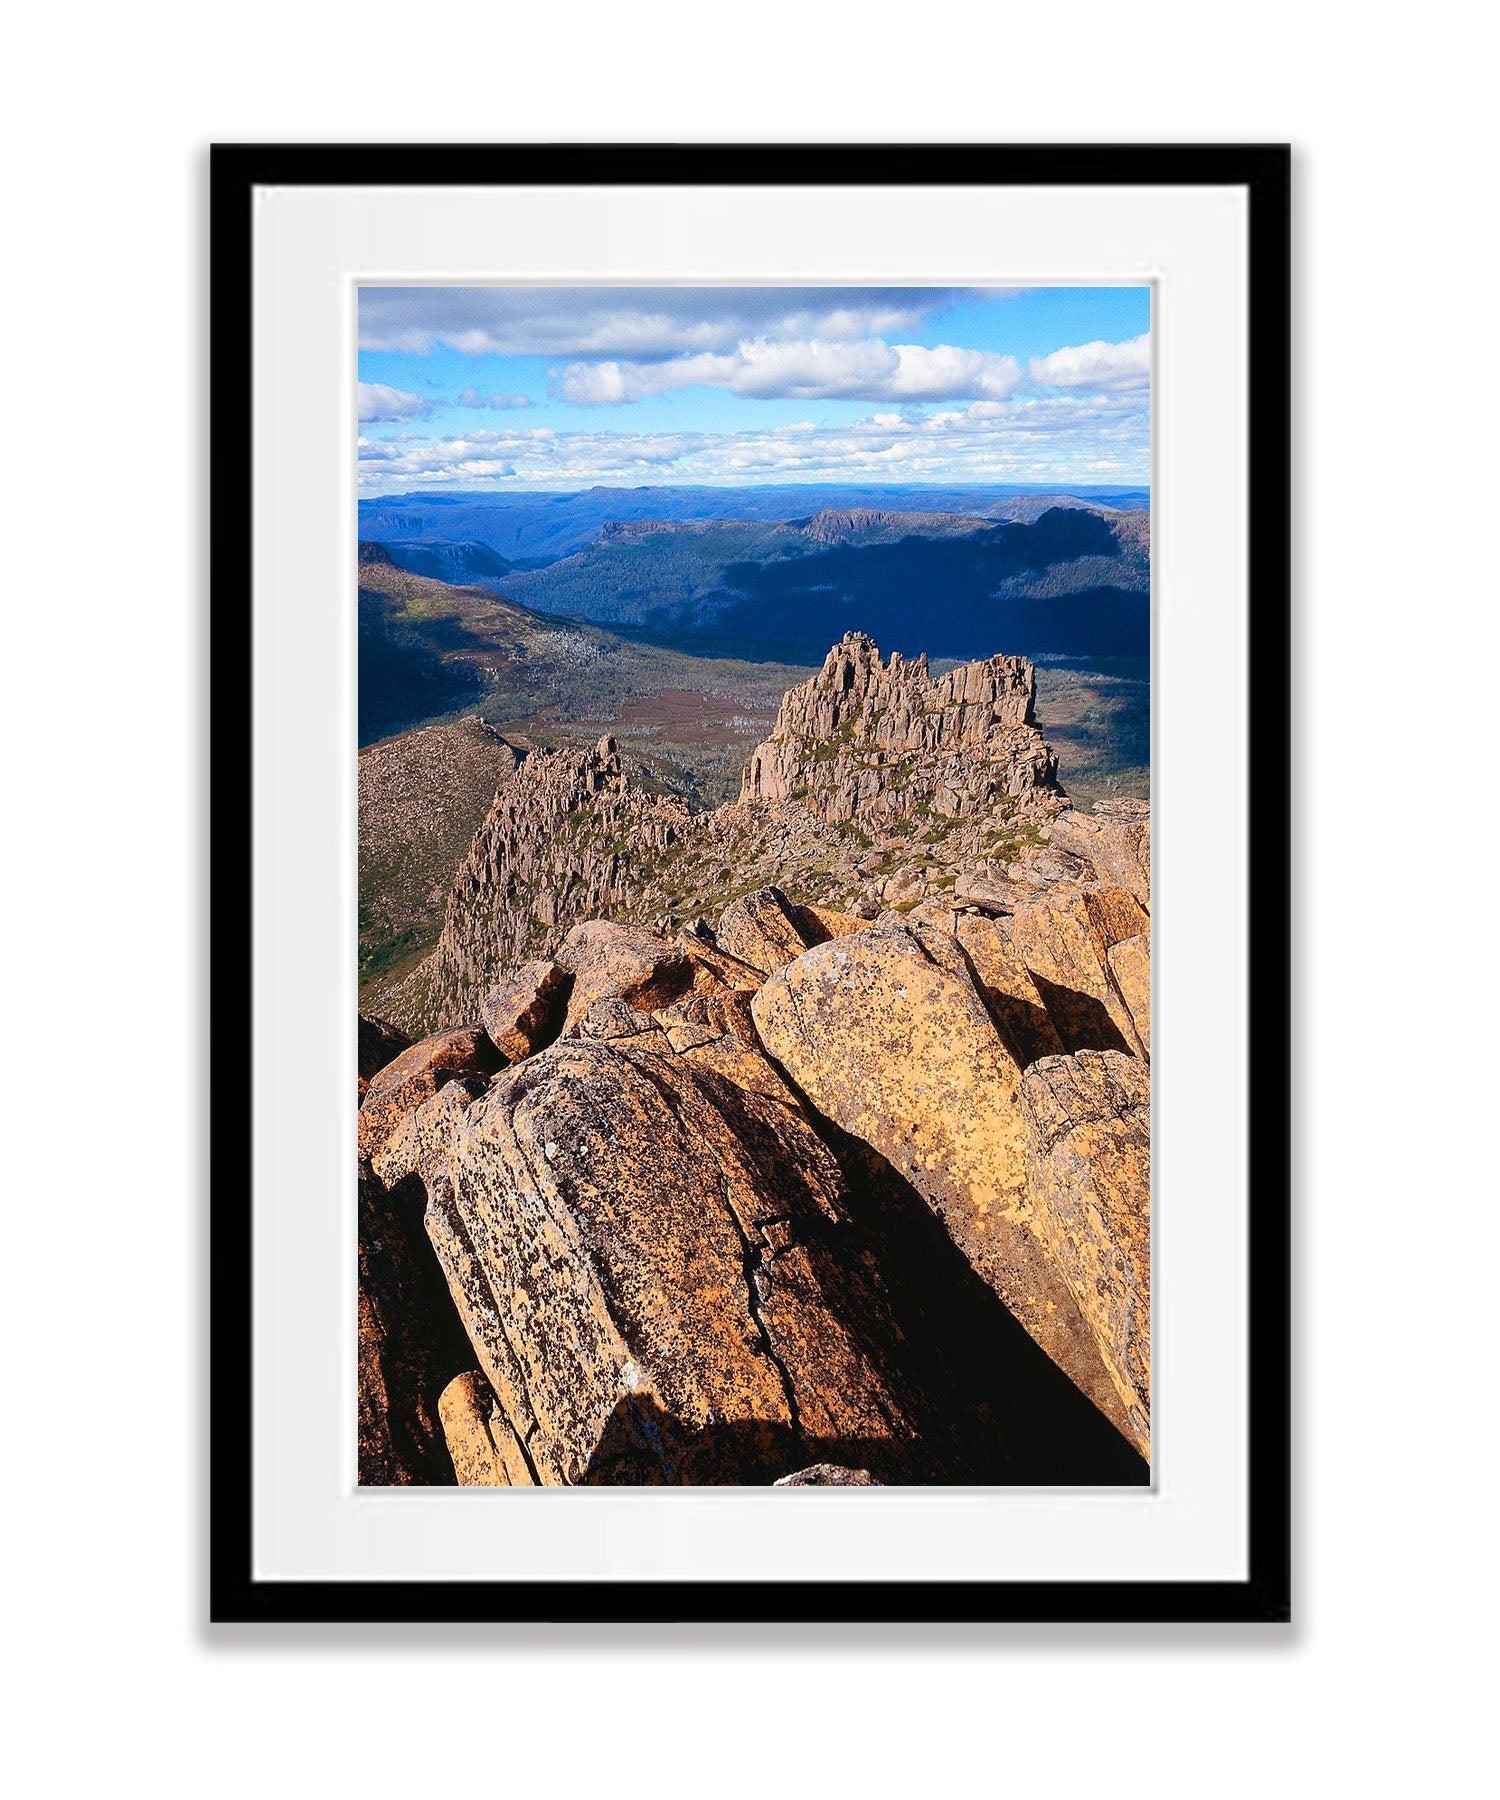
(714, 968)
(379, 1044)
(646, 1259)
(1130, 964)
(820, 923)
(903, 1055)
(1089, 1171)
(484, 1449)
(1014, 999)
(410, 1345)
(416, 1075)
(422, 1132)
(1115, 840)
(1065, 940)
(609, 961)
(525, 1012)
(762, 930)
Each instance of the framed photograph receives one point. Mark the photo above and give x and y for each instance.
(750, 758)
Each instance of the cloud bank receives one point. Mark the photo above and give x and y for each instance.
(636, 324)
(803, 369)
(1041, 438)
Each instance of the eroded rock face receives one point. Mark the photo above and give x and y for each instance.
(881, 740)
(525, 1011)
(903, 1054)
(416, 1075)
(1089, 1172)
(645, 1256)
(864, 1257)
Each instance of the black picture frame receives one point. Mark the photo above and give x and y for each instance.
(1263, 171)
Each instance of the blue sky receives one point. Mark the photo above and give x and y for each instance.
(516, 388)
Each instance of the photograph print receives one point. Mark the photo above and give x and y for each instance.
(754, 886)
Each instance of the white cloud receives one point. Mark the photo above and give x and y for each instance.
(803, 369)
(1106, 368)
(640, 324)
(472, 397)
(1037, 438)
(379, 404)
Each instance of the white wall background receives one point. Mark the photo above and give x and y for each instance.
(1379, 1688)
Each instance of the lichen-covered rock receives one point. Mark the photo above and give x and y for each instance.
(1089, 1172)
(647, 1259)
(903, 1055)
(379, 1043)
(484, 1450)
(1130, 964)
(410, 1345)
(1014, 999)
(714, 968)
(416, 1075)
(1115, 840)
(761, 929)
(1064, 940)
(525, 1011)
(828, 1475)
(621, 962)
(422, 1132)
(820, 923)
(990, 892)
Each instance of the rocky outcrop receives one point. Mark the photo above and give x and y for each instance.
(379, 1043)
(762, 929)
(1065, 942)
(525, 1011)
(646, 1259)
(922, 791)
(416, 1075)
(880, 741)
(621, 962)
(903, 1054)
(1114, 840)
(562, 843)
(1089, 1176)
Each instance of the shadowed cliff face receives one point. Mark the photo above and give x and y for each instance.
(793, 1185)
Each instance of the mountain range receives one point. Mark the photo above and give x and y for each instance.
(521, 526)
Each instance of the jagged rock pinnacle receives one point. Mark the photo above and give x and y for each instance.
(866, 737)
